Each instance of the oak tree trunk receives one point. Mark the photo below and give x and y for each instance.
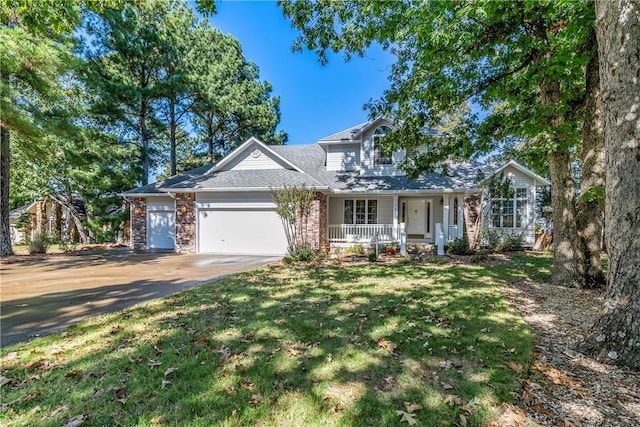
(590, 210)
(5, 163)
(567, 254)
(616, 334)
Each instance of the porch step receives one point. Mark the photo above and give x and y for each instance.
(426, 248)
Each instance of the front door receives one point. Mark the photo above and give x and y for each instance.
(418, 218)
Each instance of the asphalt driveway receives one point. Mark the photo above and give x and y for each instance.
(43, 296)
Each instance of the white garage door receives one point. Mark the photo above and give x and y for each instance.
(241, 231)
(162, 229)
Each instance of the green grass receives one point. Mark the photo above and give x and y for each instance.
(321, 345)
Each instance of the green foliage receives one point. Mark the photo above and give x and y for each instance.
(478, 258)
(502, 241)
(303, 254)
(459, 247)
(372, 257)
(593, 194)
(339, 322)
(357, 249)
(496, 54)
(39, 243)
(24, 220)
(293, 205)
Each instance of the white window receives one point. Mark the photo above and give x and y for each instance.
(361, 211)
(379, 156)
(511, 211)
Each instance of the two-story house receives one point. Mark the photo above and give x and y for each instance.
(361, 195)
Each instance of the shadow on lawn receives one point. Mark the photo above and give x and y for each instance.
(302, 347)
(42, 315)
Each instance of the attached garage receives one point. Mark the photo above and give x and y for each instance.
(240, 224)
(161, 220)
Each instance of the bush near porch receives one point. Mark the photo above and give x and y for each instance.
(329, 345)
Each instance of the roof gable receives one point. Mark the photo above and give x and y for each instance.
(526, 171)
(355, 132)
(254, 154)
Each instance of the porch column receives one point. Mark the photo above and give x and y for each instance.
(395, 218)
(445, 217)
(460, 216)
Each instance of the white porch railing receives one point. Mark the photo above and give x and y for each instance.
(362, 232)
(453, 233)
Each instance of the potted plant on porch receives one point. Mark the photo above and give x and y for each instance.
(391, 248)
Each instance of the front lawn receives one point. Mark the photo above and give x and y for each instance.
(328, 345)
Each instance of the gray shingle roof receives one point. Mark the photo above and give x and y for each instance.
(311, 159)
(345, 134)
(260, 178)
(463, 176)
(161, 186)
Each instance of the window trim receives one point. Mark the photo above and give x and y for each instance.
(354, 211)
(511, 204)
(379, 159)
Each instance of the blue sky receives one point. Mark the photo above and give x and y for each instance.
(315, 100)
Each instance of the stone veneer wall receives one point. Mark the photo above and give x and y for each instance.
(139, 224)
(185, 222)
(317, 225)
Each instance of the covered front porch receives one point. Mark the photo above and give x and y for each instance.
(394, 218)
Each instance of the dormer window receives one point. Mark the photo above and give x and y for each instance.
(379, 157)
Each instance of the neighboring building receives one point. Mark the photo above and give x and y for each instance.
(361, 195)
(44, 215)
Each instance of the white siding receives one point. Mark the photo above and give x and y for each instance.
(343, 157)
(520, 180)
(367, 156)
(255, 157)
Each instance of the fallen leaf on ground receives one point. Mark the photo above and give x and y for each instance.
(76, 421)
(412, 407)
(165, 383)
(407, 417)
(153, 363)
(169, 371)
(571, 422)
(386, 344)
(59, 410)
(157, 420)
(256, 398)
(4, 381)
(515, 367)
(452, 399)
(248, 385)
(446, 386)
(74, 373)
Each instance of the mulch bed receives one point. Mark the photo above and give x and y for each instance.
(565, 387)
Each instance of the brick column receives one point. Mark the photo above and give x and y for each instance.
(317, 225)
(139, 224)
(185, 222)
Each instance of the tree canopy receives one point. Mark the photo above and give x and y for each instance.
(521, 64)
(98, 96)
